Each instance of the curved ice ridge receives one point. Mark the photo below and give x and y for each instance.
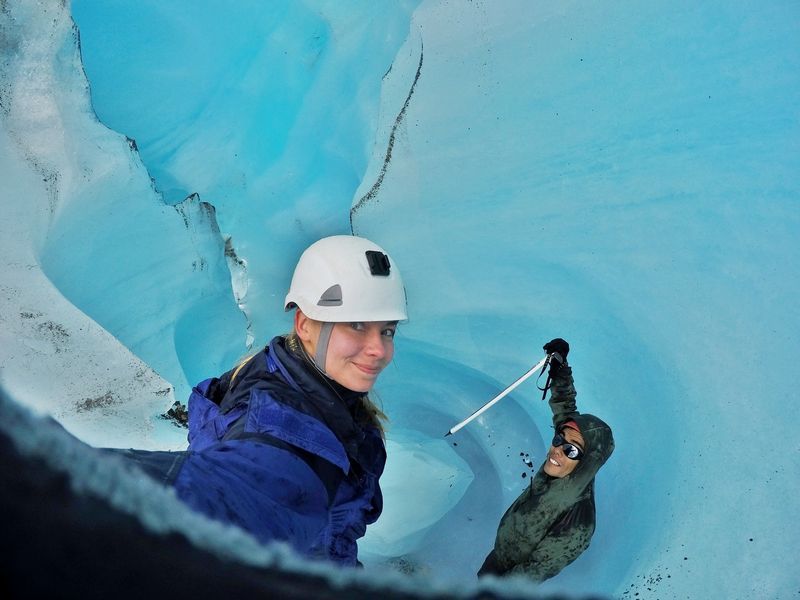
(373, 191)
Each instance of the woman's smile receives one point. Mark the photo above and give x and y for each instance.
(557, 464)
(369, 370)
(357, 352)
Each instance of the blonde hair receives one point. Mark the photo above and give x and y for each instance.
(374, 415)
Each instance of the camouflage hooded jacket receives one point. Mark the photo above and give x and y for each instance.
(552, 521)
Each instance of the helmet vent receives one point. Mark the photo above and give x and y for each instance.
(331, 297)
(378, 263)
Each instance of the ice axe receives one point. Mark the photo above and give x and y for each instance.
(540, 365)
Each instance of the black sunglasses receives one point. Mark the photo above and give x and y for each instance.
(570, 450)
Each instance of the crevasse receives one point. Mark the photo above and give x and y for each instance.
(621, 176)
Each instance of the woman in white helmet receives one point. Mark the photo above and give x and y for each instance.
(287, 445)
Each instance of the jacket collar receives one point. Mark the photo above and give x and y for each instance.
(334, 403)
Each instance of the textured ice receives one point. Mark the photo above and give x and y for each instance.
(622, 175)
(93, 474)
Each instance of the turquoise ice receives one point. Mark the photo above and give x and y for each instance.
(623, 175)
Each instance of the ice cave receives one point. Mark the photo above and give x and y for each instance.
(623, 175)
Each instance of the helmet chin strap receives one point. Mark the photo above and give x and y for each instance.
(322, 345)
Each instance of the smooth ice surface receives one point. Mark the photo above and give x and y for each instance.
(622, 175)
(429, 464)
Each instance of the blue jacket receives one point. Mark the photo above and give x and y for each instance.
(284, 453)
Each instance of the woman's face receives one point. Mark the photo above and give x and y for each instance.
(557, 463)
(357, 352)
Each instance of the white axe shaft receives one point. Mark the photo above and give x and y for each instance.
(499, 396)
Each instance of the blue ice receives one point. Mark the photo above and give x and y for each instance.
(623, 175)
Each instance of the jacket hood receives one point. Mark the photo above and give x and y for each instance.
(599, 444)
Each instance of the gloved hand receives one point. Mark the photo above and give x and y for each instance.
(558, 350)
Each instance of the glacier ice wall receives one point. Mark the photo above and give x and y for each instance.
(288, 92)
(624, 176)
(89, 248)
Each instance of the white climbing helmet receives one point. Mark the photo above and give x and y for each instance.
(345, 278)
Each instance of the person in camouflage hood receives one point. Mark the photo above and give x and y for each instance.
(552, 521)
